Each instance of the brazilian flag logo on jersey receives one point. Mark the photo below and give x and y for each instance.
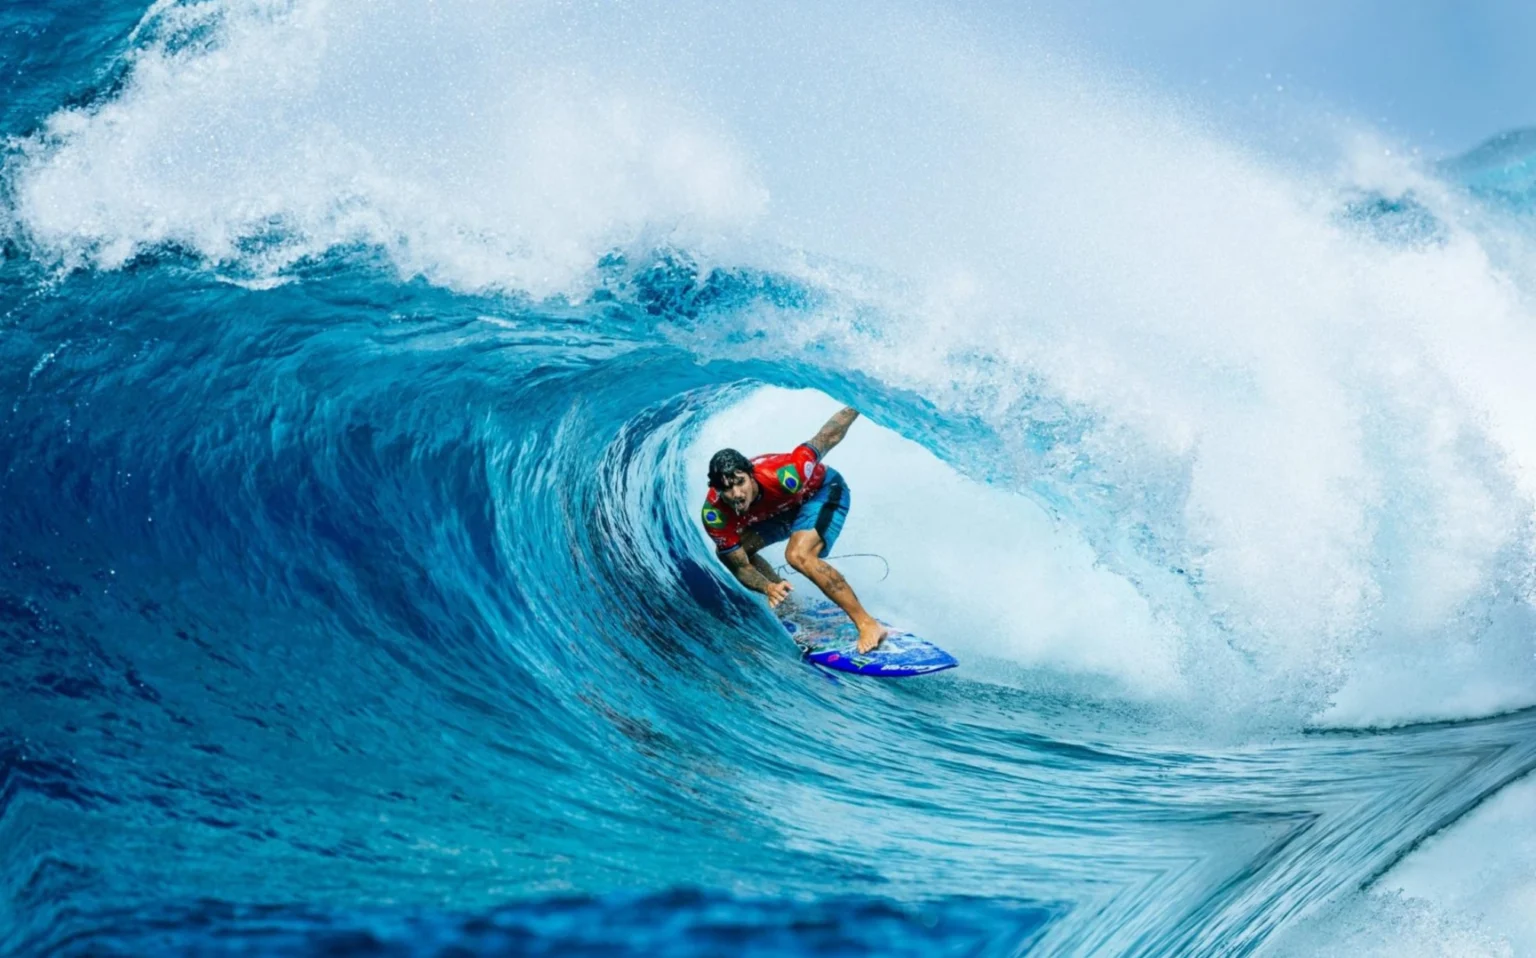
(789, 478)
(713, 518)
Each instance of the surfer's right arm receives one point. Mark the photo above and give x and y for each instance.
(833, 432)
(741, 567)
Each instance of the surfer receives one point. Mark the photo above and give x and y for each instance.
(795, 496)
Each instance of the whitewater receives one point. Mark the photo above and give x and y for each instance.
(359, 362)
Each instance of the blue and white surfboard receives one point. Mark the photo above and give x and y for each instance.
(828, 638)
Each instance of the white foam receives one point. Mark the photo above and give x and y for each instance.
(1331, 434)
(444, 135)
(1468, 892)
(1485, 866)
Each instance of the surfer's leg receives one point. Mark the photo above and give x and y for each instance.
(816, 527)
(824, 512)
(804, 554)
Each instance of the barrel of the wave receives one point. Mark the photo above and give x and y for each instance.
(797, 499)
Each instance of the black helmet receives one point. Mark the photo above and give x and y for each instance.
(725, 462)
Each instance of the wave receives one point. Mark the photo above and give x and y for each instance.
(356, 411)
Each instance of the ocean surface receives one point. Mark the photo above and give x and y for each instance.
(358, 366)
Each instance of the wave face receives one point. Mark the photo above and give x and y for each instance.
(359, 363)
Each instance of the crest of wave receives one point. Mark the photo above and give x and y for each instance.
(257, 133)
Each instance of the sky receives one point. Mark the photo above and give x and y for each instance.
(1437, 75)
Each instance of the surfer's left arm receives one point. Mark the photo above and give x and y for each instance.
(833, 432)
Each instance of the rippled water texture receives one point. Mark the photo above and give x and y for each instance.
(357, 367)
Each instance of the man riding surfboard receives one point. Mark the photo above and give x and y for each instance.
(795, 496)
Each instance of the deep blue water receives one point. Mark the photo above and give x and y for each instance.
(361, 612)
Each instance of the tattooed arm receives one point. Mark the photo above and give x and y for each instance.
(748, 574)
(833, 432)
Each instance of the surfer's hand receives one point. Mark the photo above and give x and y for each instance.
(871, 635)
(776, 592)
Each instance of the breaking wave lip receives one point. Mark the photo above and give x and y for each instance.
(232, 132)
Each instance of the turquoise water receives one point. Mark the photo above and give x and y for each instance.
(357, 363)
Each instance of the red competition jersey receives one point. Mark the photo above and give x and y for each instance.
(784, 480)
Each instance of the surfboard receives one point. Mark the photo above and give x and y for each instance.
(828, 639)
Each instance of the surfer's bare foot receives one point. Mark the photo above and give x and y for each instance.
(871, 634)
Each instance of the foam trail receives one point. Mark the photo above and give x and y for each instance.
(1470, 892)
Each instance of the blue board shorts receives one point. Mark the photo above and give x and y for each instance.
(823, 512)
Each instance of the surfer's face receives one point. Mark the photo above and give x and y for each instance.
(739, 490)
